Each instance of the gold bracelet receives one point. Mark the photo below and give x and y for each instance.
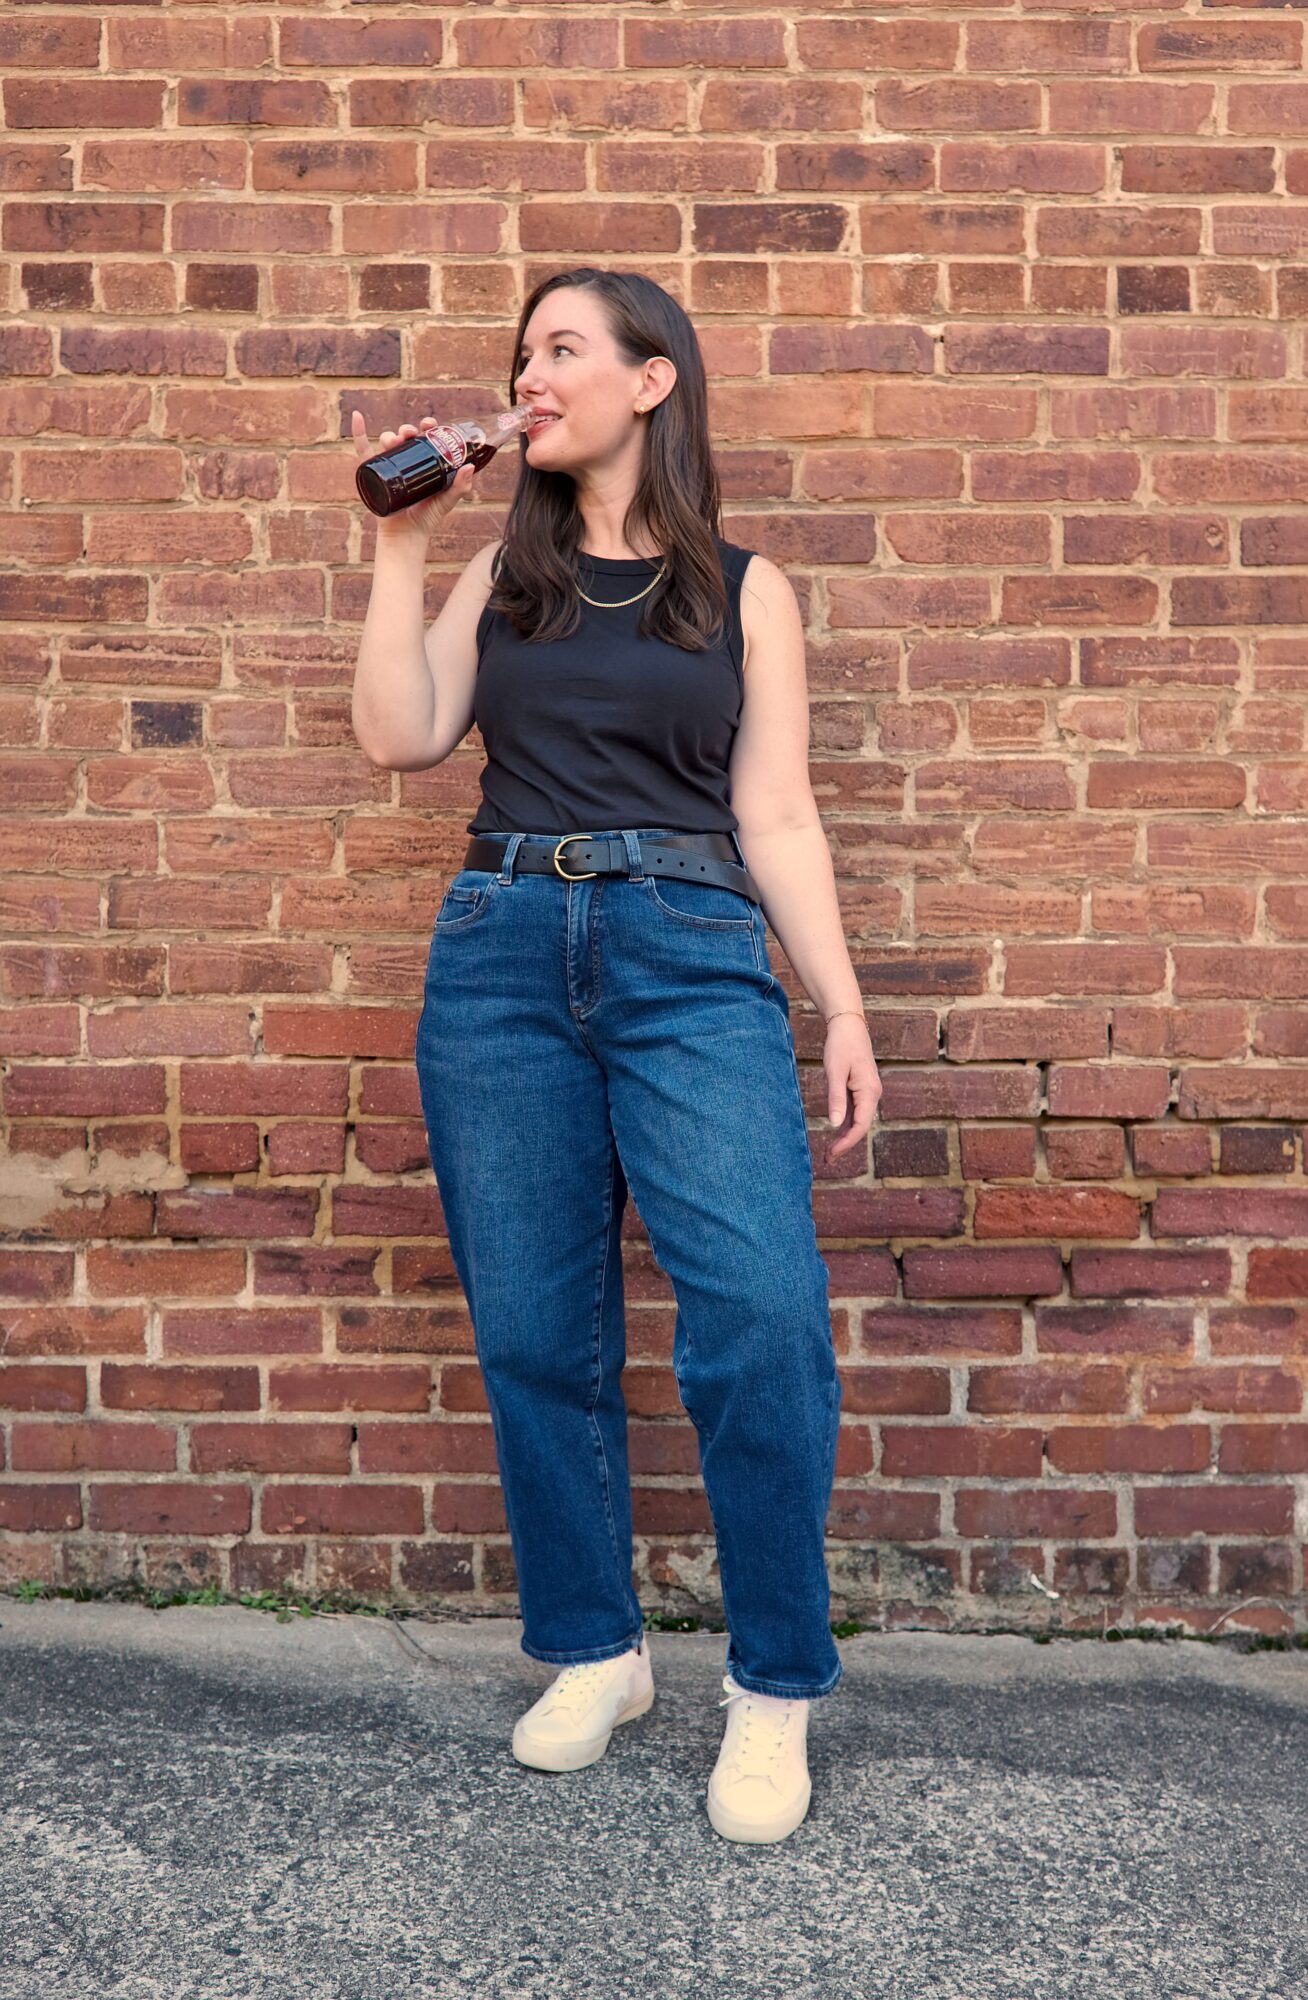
(846, 1010)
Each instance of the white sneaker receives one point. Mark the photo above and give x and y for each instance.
(572, 1722)
(760, 1786)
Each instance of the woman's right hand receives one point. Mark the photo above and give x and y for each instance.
(410, 524)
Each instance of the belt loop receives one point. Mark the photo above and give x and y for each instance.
(636, 867)
(511, 847)
(739, 849)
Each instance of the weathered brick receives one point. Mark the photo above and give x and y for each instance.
(1128, 1448)
(1061, 1212)
(1214, 1510)
(1108, 1090)
(1048, 1386)
(981, 1273)
(1143, 1273)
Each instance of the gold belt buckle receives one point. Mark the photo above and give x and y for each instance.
(588, 874)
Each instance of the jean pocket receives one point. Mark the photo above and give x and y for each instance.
(465, 898)
(701, 905)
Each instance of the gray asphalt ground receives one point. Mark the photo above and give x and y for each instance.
(204, 1802)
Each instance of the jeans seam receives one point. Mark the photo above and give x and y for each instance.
(785, 1692)
(553, 1656)
(598, 1361)
(733, 926)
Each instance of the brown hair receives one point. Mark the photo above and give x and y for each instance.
(677, 502)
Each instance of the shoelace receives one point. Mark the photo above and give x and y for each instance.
(577, 1680)
(763, 1732)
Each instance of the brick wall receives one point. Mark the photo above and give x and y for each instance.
(1004, 316)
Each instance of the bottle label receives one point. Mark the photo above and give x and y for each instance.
(451, 444)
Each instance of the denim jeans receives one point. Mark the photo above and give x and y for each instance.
(579, 1040)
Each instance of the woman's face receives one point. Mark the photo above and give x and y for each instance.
(570, 364)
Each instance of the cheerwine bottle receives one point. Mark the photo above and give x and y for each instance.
(422, 466)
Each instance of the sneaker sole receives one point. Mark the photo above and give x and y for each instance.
(545, 1756)
(732, 1827)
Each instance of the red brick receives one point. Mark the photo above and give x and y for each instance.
(353, 44)
(894, 1391)
(1092, 1152)
(1246, 1387)
(997, 1152)
(1107, 1091)
(1249, 1091)
(993, 784)
(42, 1386)
(1006, 1570)
(170, 1507)
(1280, 1212)
(1048, 1386)
(1129, 1448)
(1043, 970)
(270, 1447)
(989, 1034)
(1200, 909)
(957, 104)
(360, 1509)
(991, 663)
(843, 45)
(1278, 1274)
(1087, 1572)
(981, 1273)
(26, 1510)
(93, 1447)
(1281, 1033)
(957, 1330)
(971, 1093)
(1261, 1448)
(1214, 1510)
(1141, 785)
(1244, 1571)
(1060, 1212)
(1099, 1273)
(349, 1386)
(153, 1386)
(927, 1451)
(861, 1514)
(1042, 1511)
(1207, 1032)
(245, 100)
(438, 1447)
(1255, 1329)
(1118, 1329)
(477, 1508)
(1219, 45)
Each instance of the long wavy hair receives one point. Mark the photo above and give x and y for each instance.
(677, 503)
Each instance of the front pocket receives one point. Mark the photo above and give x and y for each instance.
(702, 905)
(465, 899)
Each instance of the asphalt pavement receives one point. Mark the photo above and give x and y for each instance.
(204, 1804)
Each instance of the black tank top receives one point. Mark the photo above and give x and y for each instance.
(608, 729)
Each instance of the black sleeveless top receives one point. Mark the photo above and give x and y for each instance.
(608, 729)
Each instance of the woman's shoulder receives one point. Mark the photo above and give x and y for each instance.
(735, 559)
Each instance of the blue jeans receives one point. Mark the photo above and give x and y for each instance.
(579, 1040)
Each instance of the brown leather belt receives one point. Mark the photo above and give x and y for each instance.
(709, 858)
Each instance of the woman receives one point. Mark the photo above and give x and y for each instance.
(600, 1016)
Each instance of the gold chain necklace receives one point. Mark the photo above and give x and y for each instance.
(616, 604)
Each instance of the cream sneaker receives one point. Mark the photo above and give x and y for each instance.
(572, 1722)
(760, 1786)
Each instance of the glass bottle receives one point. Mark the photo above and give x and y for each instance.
(421, 466)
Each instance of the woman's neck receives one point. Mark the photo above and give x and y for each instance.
(621, 555)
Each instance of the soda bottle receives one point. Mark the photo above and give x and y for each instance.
(422, 466)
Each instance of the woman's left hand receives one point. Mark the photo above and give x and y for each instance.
(851, 1073)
